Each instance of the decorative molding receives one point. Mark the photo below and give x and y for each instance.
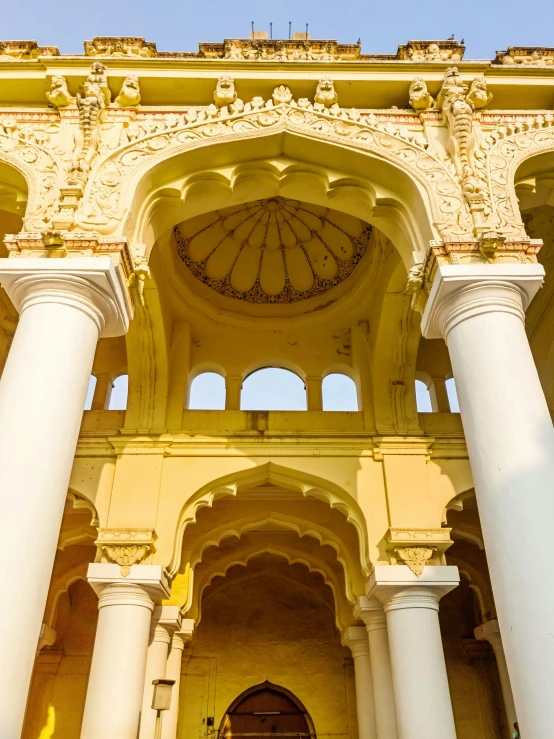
(71, 243)
(125, 547)
(432, 51)
(415, 557)
(417, 547)
(526, 56)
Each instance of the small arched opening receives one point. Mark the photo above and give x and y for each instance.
(273, 389)
(120, 391)
(266, 710)
(207, 392)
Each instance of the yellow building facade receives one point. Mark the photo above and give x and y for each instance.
(380, 573)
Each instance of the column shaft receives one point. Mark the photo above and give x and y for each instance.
(355, 637)
(165, 620)
(173, 672)
(116, 681)
(510, 441)
(421, 691)
(373, 615)
(42, 394)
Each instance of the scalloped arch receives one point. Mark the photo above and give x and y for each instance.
(301, 482)
(220, 569)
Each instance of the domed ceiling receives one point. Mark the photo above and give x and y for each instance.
(274, 250)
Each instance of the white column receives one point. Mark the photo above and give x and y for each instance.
(479, 311)
(490, 631)
(116, 682)
(421, 692)
(371, 612)
(173, 672)
(165, 621)
(355, 638)
(64, 306)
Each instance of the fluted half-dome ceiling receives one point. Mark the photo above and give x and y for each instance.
(274, 250)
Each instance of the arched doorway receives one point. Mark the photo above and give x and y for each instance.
(266, 710)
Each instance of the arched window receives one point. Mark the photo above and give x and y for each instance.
(339, 393)
(452, 395)
(120, 391)
(423, 397)
(90, 393)
(207, 392)
(273, 389)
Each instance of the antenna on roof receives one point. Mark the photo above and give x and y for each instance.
(306, 31)
(270, 29)
(290, 30)
(252, 26)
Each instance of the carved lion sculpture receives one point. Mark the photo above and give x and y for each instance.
(130, 92)
(58, 95)
(420, 99)
(225, 92)
(325, 93)
(478, 93)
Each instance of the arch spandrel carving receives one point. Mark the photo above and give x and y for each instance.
(115, 178)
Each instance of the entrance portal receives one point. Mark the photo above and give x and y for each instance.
(266, 710)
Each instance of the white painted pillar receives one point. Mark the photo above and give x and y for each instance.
(116, 683)
(355, 638)
(173, 672)
(421, 691)
(371, 612)
(165, 620)
(64, 306)
(490, 631)
(479, 311)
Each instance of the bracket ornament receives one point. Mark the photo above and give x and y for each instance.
(125, 547)
(415, 557)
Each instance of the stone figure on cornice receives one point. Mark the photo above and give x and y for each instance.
(129, 95)
(420, 99)
(58, 95)
(325, 94)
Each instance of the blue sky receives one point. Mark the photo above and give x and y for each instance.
(178, 25)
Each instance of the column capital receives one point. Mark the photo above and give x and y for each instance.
(489, 631)
(47, 637)
(94, 285)
(184, 634)
(371, 612)
(109, 584)
(166, 620)
(355, 638)
(397, 587)
(464, 291)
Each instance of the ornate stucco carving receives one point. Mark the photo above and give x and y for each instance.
(416, 558)
(130, 92)
(20, 50)
(432, 51)
(59, 95)
(120, 46)
(125, 547)
(416, 548)
(275, 250)
(80, 159)
(420, 99)
(526, 56)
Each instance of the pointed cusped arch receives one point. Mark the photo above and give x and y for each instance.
(391, 175)
(305, 484)
(354, 580)
(519, 154)
(30, 177)
(292, 555)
